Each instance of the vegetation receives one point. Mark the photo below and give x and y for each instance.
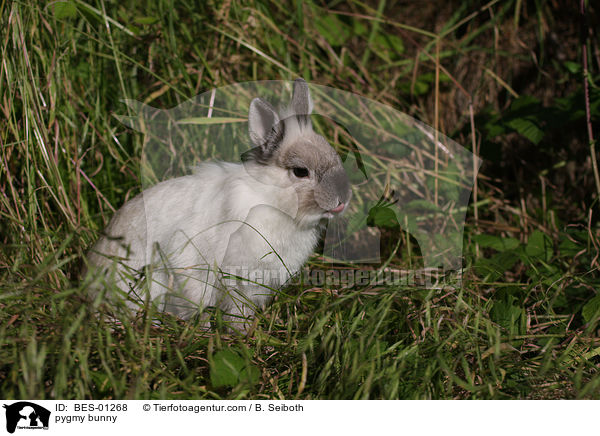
(515, 81)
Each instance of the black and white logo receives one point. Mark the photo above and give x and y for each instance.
(26, 415)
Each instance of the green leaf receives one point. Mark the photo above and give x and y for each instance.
(527, 128)
(494, 130)
(381, 216)
(573, 67)
(524, 103)
(591, 308)
(145, 20)
(420, 88)
(422, 206)
(389, 47)
(569, 248)
(492, 126)
(496, 242)
(228, 369)
(134, 29)
(495, 267)
(64, 9)
(538, 246)
(395, 148)
(359, 27)
(334, 31)
(506, 314)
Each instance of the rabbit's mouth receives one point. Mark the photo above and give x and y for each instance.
(338, 210)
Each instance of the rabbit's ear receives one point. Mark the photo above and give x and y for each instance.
(263, 121)
(301, 101)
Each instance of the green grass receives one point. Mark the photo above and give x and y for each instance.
(522, 325)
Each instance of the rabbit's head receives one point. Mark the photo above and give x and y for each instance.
(293, 155)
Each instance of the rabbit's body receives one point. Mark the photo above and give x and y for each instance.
(168, 231)
(259, 220)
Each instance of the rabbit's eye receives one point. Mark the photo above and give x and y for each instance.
(300, 172)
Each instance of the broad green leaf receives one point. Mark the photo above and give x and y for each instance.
(495, 267)
(538, 246)
(382, 216)
(496, 242)
(420, 88)
(506, 314)
(527, 128)
(569, 248)
(524, 102)
(64, 9)
(228, 369)
(495, 130)
(359, 27)
(573, 67)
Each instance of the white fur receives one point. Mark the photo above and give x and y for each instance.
(221, 216)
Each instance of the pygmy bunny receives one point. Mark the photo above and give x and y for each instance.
(182, 243)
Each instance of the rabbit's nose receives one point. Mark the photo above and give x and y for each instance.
(339, 208)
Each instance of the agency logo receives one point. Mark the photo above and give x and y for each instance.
(26, 415)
